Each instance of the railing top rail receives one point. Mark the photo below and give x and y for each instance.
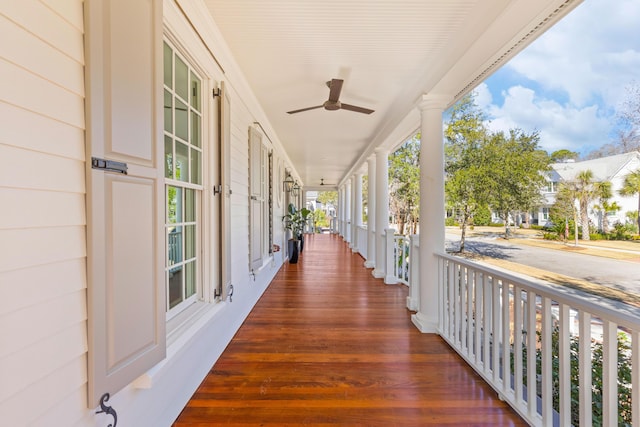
(618, 312)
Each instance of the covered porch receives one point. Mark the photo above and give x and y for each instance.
(330, 344)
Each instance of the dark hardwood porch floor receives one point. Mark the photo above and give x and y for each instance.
(328, 344)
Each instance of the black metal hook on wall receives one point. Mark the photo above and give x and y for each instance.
(107, 409)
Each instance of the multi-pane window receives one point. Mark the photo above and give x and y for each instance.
(552, 187)
(544, 214)
(183, 156)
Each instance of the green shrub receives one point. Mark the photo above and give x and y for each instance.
(551, 236)
(482, 216)
(450, 222)
(621, 232)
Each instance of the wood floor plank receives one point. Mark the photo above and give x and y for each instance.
(328, 344)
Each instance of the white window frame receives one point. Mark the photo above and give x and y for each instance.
(544, 213)
(200, 200)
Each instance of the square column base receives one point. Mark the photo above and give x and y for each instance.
(424, 324)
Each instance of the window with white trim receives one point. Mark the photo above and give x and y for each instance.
(544, 214)
(183, 158)
(552, 187)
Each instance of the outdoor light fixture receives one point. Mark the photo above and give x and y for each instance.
(288, 182)
(295, 189)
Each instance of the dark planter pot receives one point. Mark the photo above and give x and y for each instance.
(293, 252)
(301, 240)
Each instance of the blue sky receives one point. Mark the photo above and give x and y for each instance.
(569, 83)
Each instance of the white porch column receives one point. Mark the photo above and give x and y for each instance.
(352, 209)
(357, 212)
(431, 210)
(347, 211)
(382, 209)
(339, 213)
(371, 213)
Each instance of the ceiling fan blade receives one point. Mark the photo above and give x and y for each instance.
(304, 109)
(335, 87)
(355, 108)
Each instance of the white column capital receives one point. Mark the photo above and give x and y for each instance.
(380, 150)
(434, 102)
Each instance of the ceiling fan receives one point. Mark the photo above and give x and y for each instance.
(323, 184)
(333, 103)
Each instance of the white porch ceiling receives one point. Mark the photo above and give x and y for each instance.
(388, 52)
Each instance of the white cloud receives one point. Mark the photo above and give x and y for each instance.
(572, 78)
(578, 129)
(592, 53)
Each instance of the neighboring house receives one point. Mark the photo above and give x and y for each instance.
(612, 168)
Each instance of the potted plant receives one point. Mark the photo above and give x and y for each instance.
(295, 220)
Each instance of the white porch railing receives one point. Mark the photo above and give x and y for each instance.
(557, 357)
(398, 254)
(361, 240)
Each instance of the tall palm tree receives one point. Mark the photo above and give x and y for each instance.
(586, 190)
(631, 187)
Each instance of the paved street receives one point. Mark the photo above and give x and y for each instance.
(623, 275)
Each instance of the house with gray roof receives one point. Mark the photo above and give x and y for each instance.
(612, 168)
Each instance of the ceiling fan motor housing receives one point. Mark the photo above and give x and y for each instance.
(331, 105)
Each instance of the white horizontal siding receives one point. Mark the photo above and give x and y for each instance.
(54, 173)
(33, 93)
(28, 247)
(48, 24)
(60, 396)
(240, 122)
(70, 11)
(36, 323)
(40, 284)
(37, 208)
(43, 332)
(32, 364)
(32, 131)
(34, 54)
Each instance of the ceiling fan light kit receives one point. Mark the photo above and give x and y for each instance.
(333, 103)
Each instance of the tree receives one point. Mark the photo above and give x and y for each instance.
(563, 212)
(328, 197)
(629, 127)
(517, 167)
(563, 155)
(466, 175)
(604, 193)
(631, 187)
(629, 114)
(320, 219)
(584, 189)
(404, 183)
